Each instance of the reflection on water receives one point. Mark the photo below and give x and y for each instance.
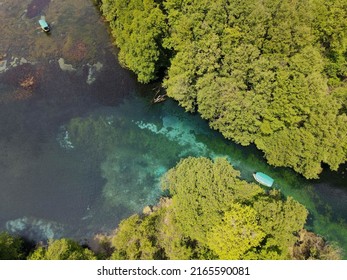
(83, 147)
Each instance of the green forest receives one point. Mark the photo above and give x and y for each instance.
(272, 73)
(207, 212)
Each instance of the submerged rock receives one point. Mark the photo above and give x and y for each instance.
(64, 140)
(179, 132)
(12, 62)
(92, 70)
(3, 65)
(64, 66)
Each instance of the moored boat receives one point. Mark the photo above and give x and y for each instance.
(263, 179)
(44, 25)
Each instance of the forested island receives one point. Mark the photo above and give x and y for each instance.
(272, 73)
(208, 212)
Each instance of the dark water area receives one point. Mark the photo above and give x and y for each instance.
(36, 7)
(82, 146)
(333, 198)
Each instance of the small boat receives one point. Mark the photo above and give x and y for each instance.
(44, 25)
(263, 179)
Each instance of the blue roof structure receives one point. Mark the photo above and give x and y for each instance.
(44, 25)
(263, 179)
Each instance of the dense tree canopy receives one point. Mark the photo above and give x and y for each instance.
(11, 247)
(212, 214)
(138, 27)
(62, 249)
(272, 73)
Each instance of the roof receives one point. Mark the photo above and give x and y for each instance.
(43, 23)
(263, 179)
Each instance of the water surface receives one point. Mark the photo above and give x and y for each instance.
(81, 144)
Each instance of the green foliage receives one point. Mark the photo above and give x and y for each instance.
(255, 75)
(135, 239)
(330, 27)
(11, 247)
(279, 220)
(97, 2)
(62, 249)
(212, 214)
(172, 241)
(238, 232)
(138, 26)
(202, 190)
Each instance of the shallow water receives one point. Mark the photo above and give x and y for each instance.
(83, 147)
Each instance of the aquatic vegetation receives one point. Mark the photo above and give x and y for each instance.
(74, 50)
(132, 182)
(28, 82)
(25, 77)
(21, 73)
(132, 159)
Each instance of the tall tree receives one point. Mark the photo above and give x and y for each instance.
(11, 247)
(62, 249)
(138, 27)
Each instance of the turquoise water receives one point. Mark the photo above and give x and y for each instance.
(84, 147)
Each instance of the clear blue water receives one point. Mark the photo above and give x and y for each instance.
(84, 147)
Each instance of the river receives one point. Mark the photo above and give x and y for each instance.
(81, 144)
